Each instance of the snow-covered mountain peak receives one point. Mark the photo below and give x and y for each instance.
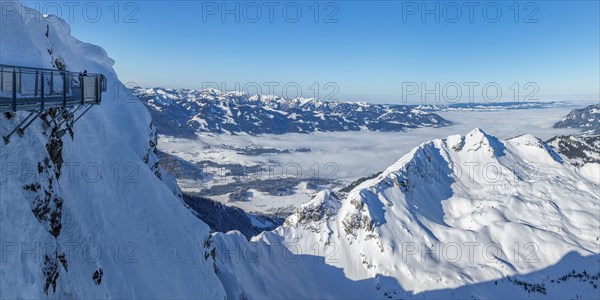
(478, 139)
(421, 182)
(475, 146)
(440, 218)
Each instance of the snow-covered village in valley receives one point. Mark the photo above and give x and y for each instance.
(299, 150)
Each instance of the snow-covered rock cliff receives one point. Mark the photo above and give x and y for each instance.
(88, 216)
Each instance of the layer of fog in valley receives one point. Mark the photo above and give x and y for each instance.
(331, 159)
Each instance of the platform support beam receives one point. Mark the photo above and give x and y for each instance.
(21, 130)
(6, 138)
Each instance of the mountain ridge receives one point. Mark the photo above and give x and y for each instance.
(586, 118)
(186, 112)
(398, 233)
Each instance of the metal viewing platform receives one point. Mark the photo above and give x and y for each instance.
(36, 90)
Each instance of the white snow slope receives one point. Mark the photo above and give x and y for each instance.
(451, 219)
(95, 205)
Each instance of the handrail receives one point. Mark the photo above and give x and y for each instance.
(41, 69)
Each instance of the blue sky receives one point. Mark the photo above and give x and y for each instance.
(368, 49)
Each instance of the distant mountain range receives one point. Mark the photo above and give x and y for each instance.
(582, 148)
(184, 113)
(587, 118)
(490, 106)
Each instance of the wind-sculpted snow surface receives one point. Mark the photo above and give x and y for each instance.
(87, 215)
(465, 216)
(183, 113)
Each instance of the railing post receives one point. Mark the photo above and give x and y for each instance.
(14, 90)
(103, 84)
(52, 83)
(97, 88)
(43, 89)
(20, 82)
(64, 76)
(35, 93)
(82, 84)
(82, 91)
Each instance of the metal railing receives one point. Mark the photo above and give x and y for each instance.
(35, 89)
